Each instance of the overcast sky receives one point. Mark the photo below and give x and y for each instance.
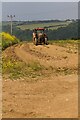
(40, 0)
(40, 10)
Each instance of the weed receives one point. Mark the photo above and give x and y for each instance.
(17, 69)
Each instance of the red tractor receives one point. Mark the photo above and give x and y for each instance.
(39, 36)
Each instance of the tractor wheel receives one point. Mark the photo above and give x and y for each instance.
(46, 41)
(35, 41)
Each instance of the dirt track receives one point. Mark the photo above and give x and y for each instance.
(54, 96)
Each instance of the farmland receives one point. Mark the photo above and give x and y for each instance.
(40, 60)
(56, 30)
(41, 81)
(51, 25)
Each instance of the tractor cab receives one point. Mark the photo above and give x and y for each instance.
(39, 36)
(39, 30)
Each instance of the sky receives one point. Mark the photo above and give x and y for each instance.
(40, 0)
(40, 10)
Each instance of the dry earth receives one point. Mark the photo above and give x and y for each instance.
(51, 96)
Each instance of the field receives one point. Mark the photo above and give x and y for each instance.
(41, 81)
(51, 25)
(32, 25)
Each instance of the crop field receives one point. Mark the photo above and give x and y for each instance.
(52, 25)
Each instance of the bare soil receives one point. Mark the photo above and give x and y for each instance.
(50, 96)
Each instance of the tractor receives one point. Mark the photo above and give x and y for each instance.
(39, 36)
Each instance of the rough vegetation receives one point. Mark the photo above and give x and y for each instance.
(8, 40)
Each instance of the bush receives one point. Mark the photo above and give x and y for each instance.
(8, 40)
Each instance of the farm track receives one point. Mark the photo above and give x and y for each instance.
(53, 96)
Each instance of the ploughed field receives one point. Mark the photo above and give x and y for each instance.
(40, 81)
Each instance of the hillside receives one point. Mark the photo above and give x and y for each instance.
(57, 30)
(50, 25)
